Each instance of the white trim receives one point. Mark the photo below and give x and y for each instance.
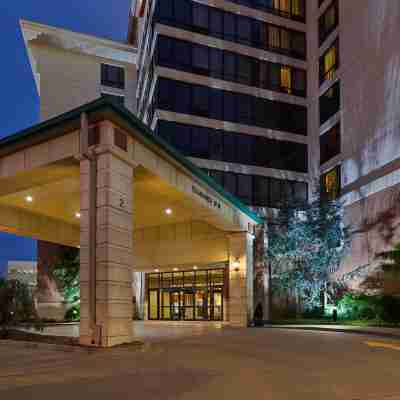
(79, 42)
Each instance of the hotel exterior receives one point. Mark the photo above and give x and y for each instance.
(256, 100)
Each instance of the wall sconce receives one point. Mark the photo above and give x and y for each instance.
(236, 264)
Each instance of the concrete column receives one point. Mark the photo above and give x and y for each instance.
(110, 322)
(241, 275)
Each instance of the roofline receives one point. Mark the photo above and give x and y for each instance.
(105, 104)
(42, 28)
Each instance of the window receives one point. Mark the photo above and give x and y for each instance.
(200, 17)
(233, 107)
(331, 184)
(293, 9)
(329, 63)
(262, 191)
(112, 76)
(245, 188)
(238, 28)
(330, 144)
(329, 103)
(328, 21)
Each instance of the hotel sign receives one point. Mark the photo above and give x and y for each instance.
(212, 202)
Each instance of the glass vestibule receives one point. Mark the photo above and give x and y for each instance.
(186, 295)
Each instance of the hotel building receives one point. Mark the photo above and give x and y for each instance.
(266, 97)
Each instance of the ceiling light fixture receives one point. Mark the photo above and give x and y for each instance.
(77, 214)
(156, 270)
(176, 269)
(168, 211)
(29, 199)
(195, 267)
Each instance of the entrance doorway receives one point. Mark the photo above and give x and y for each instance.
(187, 295)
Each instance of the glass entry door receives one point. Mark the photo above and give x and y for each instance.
(188, 295)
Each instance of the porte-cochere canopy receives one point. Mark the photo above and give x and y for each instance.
(97, 178)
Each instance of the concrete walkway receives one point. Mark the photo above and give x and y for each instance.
(364, 330)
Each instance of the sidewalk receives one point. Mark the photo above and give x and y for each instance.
(393, 333)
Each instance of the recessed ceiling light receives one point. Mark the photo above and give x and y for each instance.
(176, 269)
(195, 267)
(156, 270)
(168, 211)
(77, 214)
(29, 199)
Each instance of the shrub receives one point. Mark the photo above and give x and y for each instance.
(73, 314)
(365, 307)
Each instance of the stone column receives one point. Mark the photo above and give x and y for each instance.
(241, 275)
(109, 322)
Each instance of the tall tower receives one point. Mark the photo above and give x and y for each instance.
(225, 83)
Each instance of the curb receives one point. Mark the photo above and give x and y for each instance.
(338, 330)
(47, 346)
(65, 348)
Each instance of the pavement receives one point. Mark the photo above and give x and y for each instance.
(363, 330)
(210, 362)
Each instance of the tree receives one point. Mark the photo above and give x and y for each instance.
(16, 306)
(66, 272)
(306, 243)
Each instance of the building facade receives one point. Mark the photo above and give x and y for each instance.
(269, 98)
(226, 83)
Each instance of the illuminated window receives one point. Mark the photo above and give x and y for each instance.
(286, 79)
(331, 184)
(274, 37)
(329, 63)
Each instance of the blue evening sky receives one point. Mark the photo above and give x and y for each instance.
(19, 102)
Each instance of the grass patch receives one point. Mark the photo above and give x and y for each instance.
(362, 323)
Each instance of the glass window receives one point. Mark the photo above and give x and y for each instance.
(245, 149)
(275, 193)
(200, 100)
(112, 76)
(329, 63)
(200, 59)
(244, 30)
(216, 22)
(331, 184)
(216, 101)
(181, 96)
(330, 144)
(230, 66)
(329, 103)
(200, 142)
(261, 191)
(183, 12)
(230, 183)
(245, 188)
(286, 79)
(216, 63)
(230, 111)
(182, 54)
(328, 21)
(245, 108)
(244, 70)
(229, 150)
(216, 145)
(200, 17)
(154, 281)
(229, 27)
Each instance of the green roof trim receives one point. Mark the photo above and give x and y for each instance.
(105, 103)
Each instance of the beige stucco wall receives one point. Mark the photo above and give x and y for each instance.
(69, 79)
